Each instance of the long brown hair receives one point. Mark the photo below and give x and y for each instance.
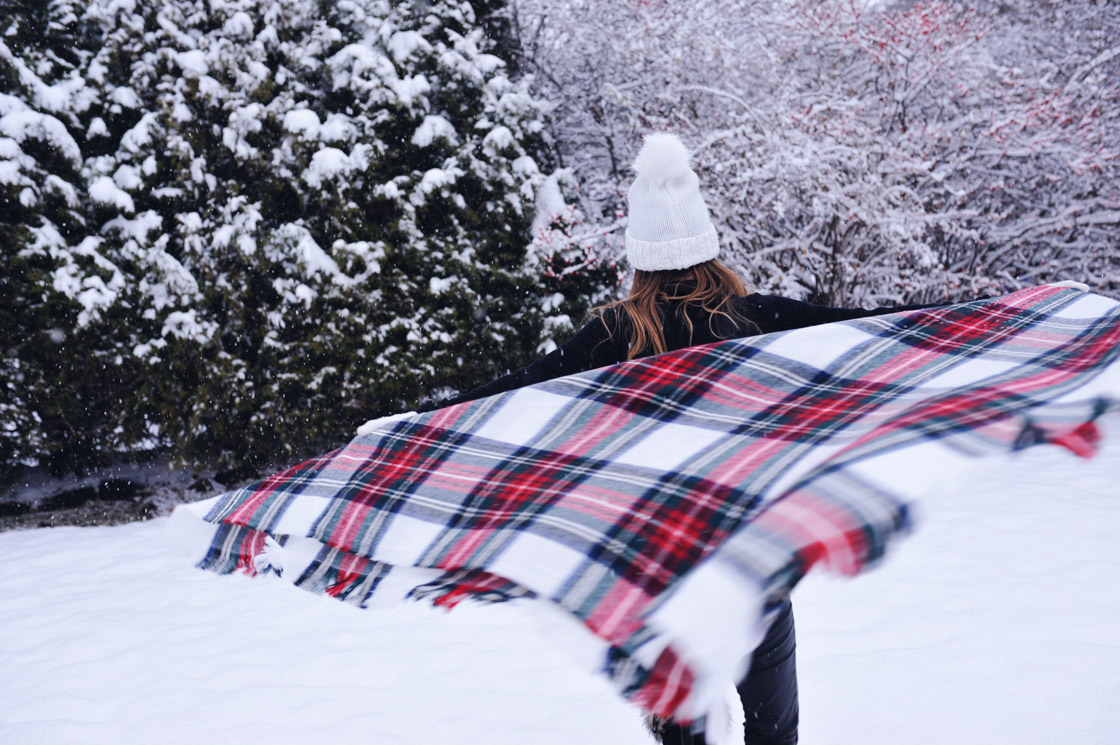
(709, 286)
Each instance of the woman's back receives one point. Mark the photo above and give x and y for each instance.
(608, 337)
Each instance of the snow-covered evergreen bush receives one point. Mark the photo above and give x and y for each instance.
(239, 227)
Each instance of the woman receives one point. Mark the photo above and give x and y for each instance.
(683, 296)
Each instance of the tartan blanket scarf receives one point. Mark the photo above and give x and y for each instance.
(670, 503)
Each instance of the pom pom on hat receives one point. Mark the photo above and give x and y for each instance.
(669, 226)
(663, 158)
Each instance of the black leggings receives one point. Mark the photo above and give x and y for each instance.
(768, 693)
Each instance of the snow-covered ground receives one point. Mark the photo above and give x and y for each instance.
(997, 622)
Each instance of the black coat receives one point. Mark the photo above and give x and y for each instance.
(595, 346)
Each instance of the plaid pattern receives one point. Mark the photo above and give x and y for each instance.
(450, 588)
(620, 492)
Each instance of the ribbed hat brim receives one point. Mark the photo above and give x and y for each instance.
(679, 253)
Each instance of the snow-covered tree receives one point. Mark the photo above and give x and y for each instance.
(54, 279)
(855, 152)
(1045, 173)
(252, 224)
(941, 124)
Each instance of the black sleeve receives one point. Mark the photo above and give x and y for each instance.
(776, 313)
(591, 347)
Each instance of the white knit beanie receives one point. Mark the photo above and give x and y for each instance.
(669, 226)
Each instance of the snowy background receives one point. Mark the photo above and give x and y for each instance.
(996, 622)
(233, 230)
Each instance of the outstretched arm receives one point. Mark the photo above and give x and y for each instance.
(776, 313)
(591, 347)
